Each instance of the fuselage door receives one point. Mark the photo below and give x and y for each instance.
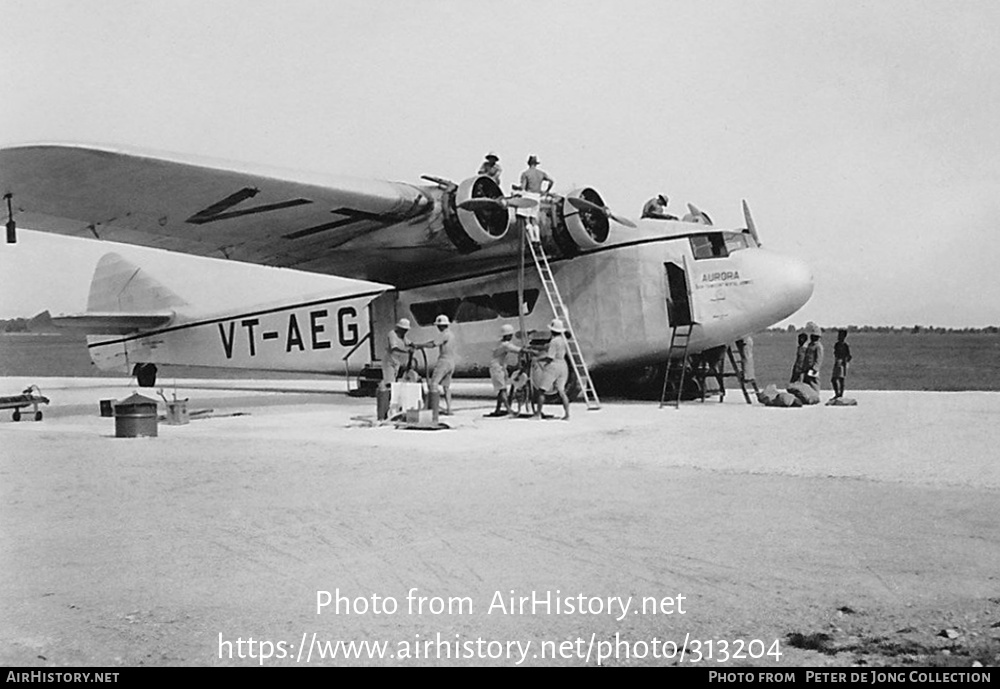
(382, 312)
(678, 294)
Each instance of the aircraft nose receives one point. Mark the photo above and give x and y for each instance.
(798, 280)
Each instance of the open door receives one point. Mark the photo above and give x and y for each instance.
(678, 295)
(382, 312)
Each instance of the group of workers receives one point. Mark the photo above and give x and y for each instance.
(533, 184)
(809, 359)
(549, 368)
(532, 179)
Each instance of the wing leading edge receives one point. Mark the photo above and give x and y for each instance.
(192, 206)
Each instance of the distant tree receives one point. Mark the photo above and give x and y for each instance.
(14, 325)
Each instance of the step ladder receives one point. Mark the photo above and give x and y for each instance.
(559, 309)
(737, 362)
(678, 345)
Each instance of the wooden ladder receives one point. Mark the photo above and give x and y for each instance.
(678, 343)
(737, 363)
(559, 309)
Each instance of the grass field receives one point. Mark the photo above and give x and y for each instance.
(882, 361)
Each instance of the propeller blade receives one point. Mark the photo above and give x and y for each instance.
(484, 202)
(585, 205)
(698, 213)
(749, 219)
(521, 202)
(480, 204)
(622, 221)
(440, 181)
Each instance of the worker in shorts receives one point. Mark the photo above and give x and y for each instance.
(551, 372)
(447, 356)
(498, 368)
(800, 355)
(491, 167)
(841, 357)
(813, 357)
(397, 352)
(532, 187)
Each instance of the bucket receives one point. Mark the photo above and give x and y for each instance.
(177, 413)
(107, 408)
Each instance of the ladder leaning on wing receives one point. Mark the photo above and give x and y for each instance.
(559, 309)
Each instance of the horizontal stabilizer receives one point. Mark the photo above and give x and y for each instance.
(97, 323)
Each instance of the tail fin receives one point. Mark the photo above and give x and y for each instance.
(120, 286)
(123, 299)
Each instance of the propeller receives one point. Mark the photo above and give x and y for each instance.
(698, 213)
(485, 202)
(440, 181)
(750, 225)
(585, 205)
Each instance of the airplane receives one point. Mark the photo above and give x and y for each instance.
(392, 250)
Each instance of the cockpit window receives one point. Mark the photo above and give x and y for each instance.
(711, 245)
(737, 240)
(719, 244)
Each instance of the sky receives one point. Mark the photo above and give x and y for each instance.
(864, 135)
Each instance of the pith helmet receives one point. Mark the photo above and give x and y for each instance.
(403, 323)
(557, 326)
(813, 329)
(664, 199)
(506, 329)
(442, 320)
(492, 155)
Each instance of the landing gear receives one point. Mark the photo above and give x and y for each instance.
(16, 415)
(145, 374)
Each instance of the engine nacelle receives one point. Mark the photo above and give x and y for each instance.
(575, 230)
(470, 230)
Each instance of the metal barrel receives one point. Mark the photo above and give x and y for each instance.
(136, 416)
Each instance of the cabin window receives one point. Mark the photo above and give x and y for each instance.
(506, 302)
(480, 307)
(711, 245)
(427, 311)
(477, 308)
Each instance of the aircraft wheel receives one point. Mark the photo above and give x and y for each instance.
(38, 416)
(145, 374)
(16, 415)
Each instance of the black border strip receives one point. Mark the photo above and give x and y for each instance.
(223, 319)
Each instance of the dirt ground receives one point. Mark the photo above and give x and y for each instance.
(849, 536)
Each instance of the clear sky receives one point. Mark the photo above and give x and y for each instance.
(865, 135)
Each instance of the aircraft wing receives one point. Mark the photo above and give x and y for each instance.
(268, 217)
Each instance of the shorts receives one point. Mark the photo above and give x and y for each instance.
(551, 376)
(530, 212)
(442, 373)
(499, 377)
(839, 370)
(390, 370)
